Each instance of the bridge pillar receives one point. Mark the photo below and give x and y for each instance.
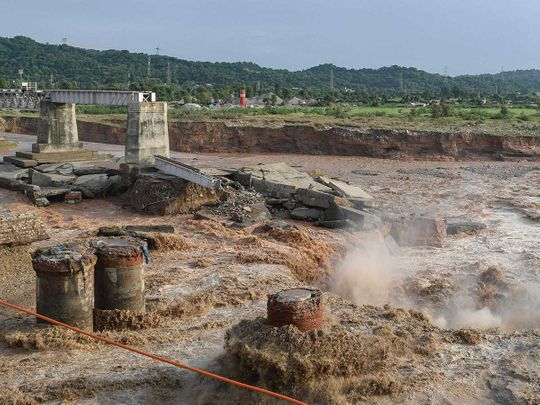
(147, 132)
(57, 130)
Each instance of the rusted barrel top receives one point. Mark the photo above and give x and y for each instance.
(119, 252)
(301, 307)
(67, 258)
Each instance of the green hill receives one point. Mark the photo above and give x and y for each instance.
(68, 66)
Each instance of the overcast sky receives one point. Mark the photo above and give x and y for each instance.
(468, 36)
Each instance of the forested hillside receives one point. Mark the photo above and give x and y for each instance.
(70, 67)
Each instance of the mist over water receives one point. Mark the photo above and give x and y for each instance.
(369, 275)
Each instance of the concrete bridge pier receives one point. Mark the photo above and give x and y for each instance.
(147, 132)
(57, 130)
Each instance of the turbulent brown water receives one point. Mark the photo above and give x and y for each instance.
(483, 281)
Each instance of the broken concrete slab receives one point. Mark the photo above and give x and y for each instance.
(281, 173)
(150, 228)
(290, 205)
(464, 227)
(35, 192)
(94, 185)
(20, 162)
(56, 157)
(38, 178)
(357, 216)
(277, 224)
(80, 168)
(54, 168)
(344, 189)
(186, 172)
(333, 213)
(8, 184)
(314, 198)
(11, 176)
(419, 232)
(339, 216)
(276, 201)
(307, 214)
(272, 189)
(130, 230)
(13, 172)
(258, 212)
(334, 224)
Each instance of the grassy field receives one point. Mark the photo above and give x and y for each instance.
(517, 121)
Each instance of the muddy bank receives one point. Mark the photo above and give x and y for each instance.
(218, 137)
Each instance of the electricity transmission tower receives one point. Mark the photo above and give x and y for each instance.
(169, 73)
(149, 66)
(332, 79)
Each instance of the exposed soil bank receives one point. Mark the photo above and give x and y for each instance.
(217, 137)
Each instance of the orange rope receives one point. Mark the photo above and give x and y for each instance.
(152, 356)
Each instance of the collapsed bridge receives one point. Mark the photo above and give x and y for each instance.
(147, 132)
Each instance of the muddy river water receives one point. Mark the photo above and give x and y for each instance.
(487, 280)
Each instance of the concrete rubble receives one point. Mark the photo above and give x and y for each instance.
(238, 198)
(53, 181)
(332, 203)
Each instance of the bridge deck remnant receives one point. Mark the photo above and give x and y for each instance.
(102, 97)
(29, 100)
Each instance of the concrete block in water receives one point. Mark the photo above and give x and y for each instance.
(119, 278)
(301, 307)
(65, 284)
(419, 232)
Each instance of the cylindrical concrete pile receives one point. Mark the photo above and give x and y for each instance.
(64, 284)
(301, 307)
(119, 278)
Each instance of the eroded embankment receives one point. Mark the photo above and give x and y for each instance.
(218, 137)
